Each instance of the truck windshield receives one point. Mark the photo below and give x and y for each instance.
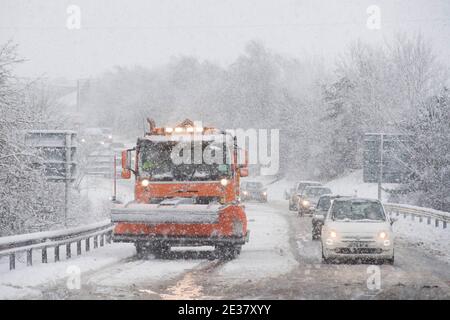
(156, 162)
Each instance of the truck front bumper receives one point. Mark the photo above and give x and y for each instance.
(182, 240)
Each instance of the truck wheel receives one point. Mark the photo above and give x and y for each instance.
(228, 252)
(140, 250)
(160, 251)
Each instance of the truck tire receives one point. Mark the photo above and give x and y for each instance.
(140, 250)
(227, 252)
(157, 250)
(160, 251)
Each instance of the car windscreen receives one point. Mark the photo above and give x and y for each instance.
(254, 185)
(156, 162)
(316, 192)
(324, 203)
(302, 185)
(357, 211)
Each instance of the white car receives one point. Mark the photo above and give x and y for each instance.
(357, 228)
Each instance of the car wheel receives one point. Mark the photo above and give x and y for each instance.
(390, 261)
(324, 260)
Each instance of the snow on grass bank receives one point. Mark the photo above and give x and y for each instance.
(23, 281)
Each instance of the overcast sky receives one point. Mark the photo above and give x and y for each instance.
(150, 32)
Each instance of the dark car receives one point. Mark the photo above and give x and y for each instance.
(296, 191)
(308, 199)
(253, 191)
(323, 205)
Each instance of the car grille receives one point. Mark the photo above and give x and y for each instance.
(358, 238)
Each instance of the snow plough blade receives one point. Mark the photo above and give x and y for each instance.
(166, 214)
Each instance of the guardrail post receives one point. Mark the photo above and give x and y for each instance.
(78, 247)
(436, 223)
(404, 215)
(56, 253)
(44, 255)
(95, 242)
(420, 218)
(444, 224)
(108, 237)
(412, 217)
(88, 244)
(12, 261)
(29, 257)
(68, 251)
(428, 220)
(102, 240)
(397, 213)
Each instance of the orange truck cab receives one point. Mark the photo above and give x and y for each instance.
(186, 192)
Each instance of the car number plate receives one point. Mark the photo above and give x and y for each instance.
(358, 244)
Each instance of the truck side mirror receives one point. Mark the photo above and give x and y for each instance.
(243, 171)
(243, 163)
(126, 164)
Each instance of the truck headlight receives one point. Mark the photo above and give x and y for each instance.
(264, 193)
(244, 193)
(145, 183)
(333, 234)
(224, 182)
(305, 203)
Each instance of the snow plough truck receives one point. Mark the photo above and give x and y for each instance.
(186, 191)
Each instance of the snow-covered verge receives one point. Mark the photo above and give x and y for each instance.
(352, 185)
(20, 283)
(434, 240)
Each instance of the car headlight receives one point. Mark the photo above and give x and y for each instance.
(244, 193)
(264, 193)
(382, 235)
(145, 183)
(305, 203)
(333, 234)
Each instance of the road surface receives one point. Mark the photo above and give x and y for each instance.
(280, 262)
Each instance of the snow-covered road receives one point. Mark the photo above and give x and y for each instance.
(280, 261)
